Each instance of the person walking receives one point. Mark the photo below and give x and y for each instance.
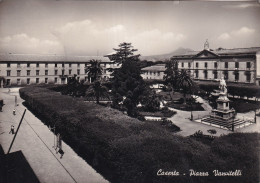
(14, 112)
(12, 130)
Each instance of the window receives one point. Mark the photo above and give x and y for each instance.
(56, 65)
(205, 74)
(63, 65)
(28, 65)
(46, 65)
(69, 65)
(37, 65)
(18, 73)
(70, 72)
(86, 71)
(236, 76)
(215, 65)
(196, 73)
(248, 65)
(28, 81)
(46, 72)
(8, 82)
(28, 72)
(197, 64)
(236, 64)
(8, 65)
(56, 72)
(189, 65)
(78, 65)
(55, 80)
(215, 75)
(8, 73)
(206, 64)
(248, 77)
(104, 65)
(18, 65)
(18, 81)
(158, 73)
(226, 65)
(62, 72)
(37, 80)
(37, 72)
(182, 64)
(154, 73)
(46, 80)
(86, 65)
(225, 75)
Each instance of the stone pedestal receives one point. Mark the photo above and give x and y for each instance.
(223, 111)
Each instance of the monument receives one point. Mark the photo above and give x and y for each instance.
(223, 111)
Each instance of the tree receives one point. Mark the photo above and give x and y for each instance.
(97, 90)
(74, 87)
(94, 70)
(125, 52)
(185, 83)
(128, 85)
(171, 73)
(150, 101)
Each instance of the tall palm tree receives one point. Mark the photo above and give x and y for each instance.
(94, 70)
(185, 82)
(97, 90)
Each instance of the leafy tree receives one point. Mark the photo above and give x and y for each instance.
(185, 83)
(128, 85)
(94, 70)
(171, 73)
(74, 87)
(150, 101)
(97, 90)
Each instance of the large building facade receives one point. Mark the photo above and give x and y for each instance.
(239, 65)
(16, 70)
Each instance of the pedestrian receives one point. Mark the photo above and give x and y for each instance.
(61, 153)
(14, 112)
(12, 129)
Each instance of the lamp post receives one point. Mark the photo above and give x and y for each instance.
(53, 134)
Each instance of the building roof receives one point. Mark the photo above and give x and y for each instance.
(158, 67)
(48, 58)
(224, 52)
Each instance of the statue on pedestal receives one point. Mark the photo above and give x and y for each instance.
(223, 86)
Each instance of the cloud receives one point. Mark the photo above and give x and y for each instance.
(241, 33)
(242, 6)
(224, 36)
(85, 37)
(22, 43)
(154, 41)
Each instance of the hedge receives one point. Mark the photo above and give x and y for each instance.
(124, 149)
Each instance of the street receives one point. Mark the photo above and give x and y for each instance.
(36, 142)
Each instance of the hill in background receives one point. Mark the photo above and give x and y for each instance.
(163, 57)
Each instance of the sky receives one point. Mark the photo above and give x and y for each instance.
(94, 28)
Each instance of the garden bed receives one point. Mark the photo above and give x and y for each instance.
(124, 149)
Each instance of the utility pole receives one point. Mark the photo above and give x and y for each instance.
(16, 131)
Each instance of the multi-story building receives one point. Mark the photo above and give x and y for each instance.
(239, 65)
(153, 72)
(23, 69)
